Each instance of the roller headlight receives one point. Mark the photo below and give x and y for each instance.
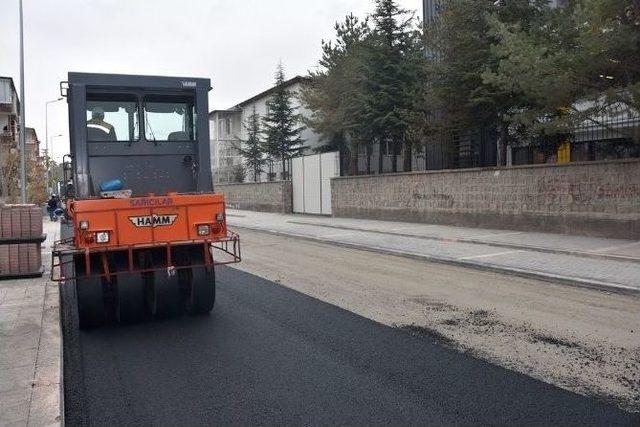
(102, 237)
(204, 230)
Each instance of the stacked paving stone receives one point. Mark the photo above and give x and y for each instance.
(20, 241)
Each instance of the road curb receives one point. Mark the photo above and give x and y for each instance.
(542, 249)
(529, 274)
(60, 325)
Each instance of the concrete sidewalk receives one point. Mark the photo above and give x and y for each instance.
(608, 264)
(30, 347)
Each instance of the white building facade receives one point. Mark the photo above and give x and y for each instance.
(226, 129)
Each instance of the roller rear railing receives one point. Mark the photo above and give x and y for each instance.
(64, 251)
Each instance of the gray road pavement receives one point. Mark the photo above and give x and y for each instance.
(270, 355)
(602, 263)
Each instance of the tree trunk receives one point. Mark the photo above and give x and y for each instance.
(284, 170)
(353, 160)
(394, 157)
(501, 144)
(425, 147)
(368, 151)
(381, 145)
(408, 157)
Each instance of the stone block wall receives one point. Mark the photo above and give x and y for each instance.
(261, 196)
(596, 198)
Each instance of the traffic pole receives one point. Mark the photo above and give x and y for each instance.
(23, 130)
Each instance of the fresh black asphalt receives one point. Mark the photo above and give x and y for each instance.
(270, 355)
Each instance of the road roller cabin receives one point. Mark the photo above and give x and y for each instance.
(146, 228)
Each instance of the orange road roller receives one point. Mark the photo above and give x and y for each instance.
(144, 228)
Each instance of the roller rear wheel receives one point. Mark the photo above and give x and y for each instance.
(90, 296)
(202, 290)
(130, 302)
(163, 294)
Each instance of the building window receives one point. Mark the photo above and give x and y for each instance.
(224, 128)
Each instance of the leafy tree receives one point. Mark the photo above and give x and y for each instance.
(581, 62)
(55, 173)
(369, 79)
(281, 130)
(238, 173)
(251, 148)
(10, 171)
(461, 45)
(393, 77)
(608, 58)
(36, 181)
(334, 95)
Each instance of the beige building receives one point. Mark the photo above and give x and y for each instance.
(9, 140)
(226, 129)
(9, 113)
(32, 144)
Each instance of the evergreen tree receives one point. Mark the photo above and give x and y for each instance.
(393, 72)
(251, 148)
(463, 49)
(281, 130)
(334, 95)
(580, 63)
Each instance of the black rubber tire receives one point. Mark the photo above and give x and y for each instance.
(202, 291)
(92, 312)
(130, 302)
(163, 295)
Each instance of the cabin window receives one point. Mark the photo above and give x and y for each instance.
(112, 118)
(169, 118)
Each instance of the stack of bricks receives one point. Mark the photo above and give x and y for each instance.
(20, 240)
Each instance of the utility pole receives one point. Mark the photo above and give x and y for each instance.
(23, 130)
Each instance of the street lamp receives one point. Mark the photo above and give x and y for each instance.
(23, 130)
(46, 131)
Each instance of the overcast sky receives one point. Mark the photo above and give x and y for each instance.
(235, 43)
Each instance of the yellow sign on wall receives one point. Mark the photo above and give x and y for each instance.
(564, 153)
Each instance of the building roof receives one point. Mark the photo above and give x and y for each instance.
(287, 83)
(229, 110)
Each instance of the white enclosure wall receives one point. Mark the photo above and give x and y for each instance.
(311, 181)
(297, 183)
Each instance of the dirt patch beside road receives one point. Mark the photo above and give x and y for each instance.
(579, 339)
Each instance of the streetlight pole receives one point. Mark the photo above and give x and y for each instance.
(46, 131)
(50, 156)
(23, 130)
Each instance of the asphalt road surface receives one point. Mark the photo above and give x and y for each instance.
(271, 355)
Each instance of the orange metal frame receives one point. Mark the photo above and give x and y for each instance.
(145, 223)
(146, 220)
(65, 249)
